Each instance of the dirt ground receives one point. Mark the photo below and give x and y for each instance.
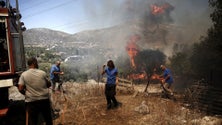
(85, 104)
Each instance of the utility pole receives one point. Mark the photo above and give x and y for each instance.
(20, 30)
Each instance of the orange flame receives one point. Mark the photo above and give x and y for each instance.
(155, 76)
(155, 10)
(138, 76)
(132, 49)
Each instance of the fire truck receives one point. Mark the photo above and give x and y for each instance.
(12, 56)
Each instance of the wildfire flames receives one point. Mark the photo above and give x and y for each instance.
(158, 12)
(159, 9)
(155, 76)
(143, 75)
(137, 76)
(132, 49)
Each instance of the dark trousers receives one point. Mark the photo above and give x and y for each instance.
(53, 84)
(110, 92)
(37, 109)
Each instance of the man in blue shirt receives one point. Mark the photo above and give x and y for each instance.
(167, 80)
(110, 87)
(54, 74)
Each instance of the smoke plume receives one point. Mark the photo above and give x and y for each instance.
(175, 21)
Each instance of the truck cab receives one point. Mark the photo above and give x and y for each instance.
(12, 56)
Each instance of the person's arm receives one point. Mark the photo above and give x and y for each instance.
(55, 71)
(117, 78)
(48, 83)
(60, 73)
(167, 77)
(103, 70)
(21, 85)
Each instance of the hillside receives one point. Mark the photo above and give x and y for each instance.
(152, 36)
(85, 104)
(43, 36)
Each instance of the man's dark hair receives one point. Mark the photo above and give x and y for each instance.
(31, 61)
(110, 64)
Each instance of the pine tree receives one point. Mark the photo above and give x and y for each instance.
(207, 55)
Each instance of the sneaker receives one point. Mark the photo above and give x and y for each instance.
(119, 104)
(109, 106)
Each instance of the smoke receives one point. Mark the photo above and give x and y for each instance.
(193, 16)
(190, 18)
(181, 22)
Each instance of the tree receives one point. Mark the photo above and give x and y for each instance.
(124, 67)
(148, 60)
(206, 58)
(180, 64)
(179, 61)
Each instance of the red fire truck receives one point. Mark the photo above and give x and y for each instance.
(12, 57)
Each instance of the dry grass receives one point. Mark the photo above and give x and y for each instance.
(85, 104)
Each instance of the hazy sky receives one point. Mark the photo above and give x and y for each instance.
(70, 16)
(73, 16)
